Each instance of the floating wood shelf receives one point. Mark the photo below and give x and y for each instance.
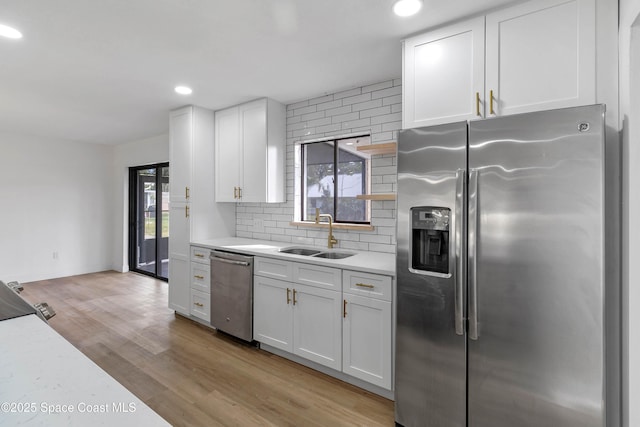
(385, 148)
(390, 196)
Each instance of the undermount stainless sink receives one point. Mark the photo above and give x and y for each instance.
(300, 251)
(333, 255)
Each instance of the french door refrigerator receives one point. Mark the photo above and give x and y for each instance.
(500, 272)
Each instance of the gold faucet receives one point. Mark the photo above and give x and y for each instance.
(330, 240)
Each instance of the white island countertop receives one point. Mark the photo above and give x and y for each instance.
(369, 262)
(46, 381)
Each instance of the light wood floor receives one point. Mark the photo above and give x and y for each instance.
(189, 374)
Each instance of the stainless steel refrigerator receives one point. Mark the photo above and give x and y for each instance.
(500, 272)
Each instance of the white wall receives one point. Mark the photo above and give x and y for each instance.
(55, 196)
(136, 153)
(630, 117)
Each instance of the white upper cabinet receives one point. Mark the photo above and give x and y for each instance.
(250, 152)
(181, 137)
(541, 55)
(443, 71)
(535, 56)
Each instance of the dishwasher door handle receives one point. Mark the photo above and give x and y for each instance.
(230, 261)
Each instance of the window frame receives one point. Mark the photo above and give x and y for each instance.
(366, 181)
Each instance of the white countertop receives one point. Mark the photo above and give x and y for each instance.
(45, 381)
(370, 262)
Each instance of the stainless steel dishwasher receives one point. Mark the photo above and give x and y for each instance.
(232, 294)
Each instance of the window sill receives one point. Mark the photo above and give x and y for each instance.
(339, 226)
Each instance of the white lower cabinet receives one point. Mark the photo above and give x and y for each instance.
(366, 340)
(272, 314)
(317, 325)
(300, 319)
(341, 319)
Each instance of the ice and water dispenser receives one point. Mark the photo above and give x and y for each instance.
(430, 239)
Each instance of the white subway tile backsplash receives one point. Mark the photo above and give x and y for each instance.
(321, 99)
(377, 86)
(356, 99)
(347, 93)
(356, 123)
(374, 109)
(329, 105)
(396, 90)
(297, 105)
(304, 110)
(381, 111)
(337, 111)
(345, 118)
(367, 105)
(312, 116)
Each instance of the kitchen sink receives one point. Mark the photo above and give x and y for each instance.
(333, 255)
(300, 251)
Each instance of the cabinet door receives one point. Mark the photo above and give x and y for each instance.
(367, 345)
(253, 118)
(443, 74)
(179, 281)
(181, 137)
(272, 314)
(227, 154)
(541, 55)
(317, 325)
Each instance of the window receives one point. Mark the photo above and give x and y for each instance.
(332, 174)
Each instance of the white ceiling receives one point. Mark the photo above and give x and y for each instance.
(103, 71)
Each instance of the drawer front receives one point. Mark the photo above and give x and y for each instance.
(199, 254)
(200, 305)
(318, 276)
(274, 268)
(368, 285)
(201, 277)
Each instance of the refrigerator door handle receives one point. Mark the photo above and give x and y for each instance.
(459, 251)
(472, 256)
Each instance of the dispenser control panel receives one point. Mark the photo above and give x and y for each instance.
(430, 239)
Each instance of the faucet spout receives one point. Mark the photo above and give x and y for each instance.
(330, 239)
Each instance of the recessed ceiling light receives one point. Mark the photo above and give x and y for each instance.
(183, 90)
(407, 7)
(10, 33)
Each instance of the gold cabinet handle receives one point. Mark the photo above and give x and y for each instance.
(491, 102)
(198, 277)
(199, 255)
(235, 192)
(239, 192)
(364, 285)
(294, 297)
(477, 103)
(198, 304)
(186, 211)
(288, 296)
(186, 192)
(344, 308)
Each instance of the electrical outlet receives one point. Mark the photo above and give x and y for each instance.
(258, 225)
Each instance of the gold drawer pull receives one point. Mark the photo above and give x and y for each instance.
(199, 255)
(288, 296)
(199, 277)
(198, 304)
(364, 285)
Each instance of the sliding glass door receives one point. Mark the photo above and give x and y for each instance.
(149, 220)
